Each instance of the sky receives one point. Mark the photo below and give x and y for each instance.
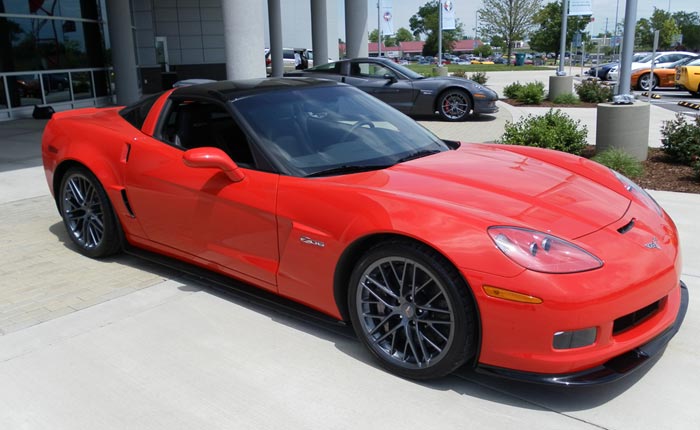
(466, 12)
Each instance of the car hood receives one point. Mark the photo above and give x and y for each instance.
(503, 187)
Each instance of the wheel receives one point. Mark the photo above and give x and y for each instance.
(647, 82)
(87, 214)
(454, 105)
(411, 309)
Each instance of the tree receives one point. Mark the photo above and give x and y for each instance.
(510, 19)
(425, 22)
(498, 42)
(387, 40)
(404, 35)
(483, 51)
(547, 37)
(643, 34)
(689, 26)
(668, 30)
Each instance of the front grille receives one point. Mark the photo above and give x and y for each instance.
(635, 318)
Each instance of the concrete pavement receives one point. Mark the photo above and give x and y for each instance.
(122, 343)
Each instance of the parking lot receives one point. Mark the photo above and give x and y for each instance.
(123, 343)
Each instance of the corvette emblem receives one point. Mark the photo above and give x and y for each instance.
(307, 240)
(653, 244)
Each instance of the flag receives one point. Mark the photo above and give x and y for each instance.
(580, 7)
(387, 18)
(448, 15)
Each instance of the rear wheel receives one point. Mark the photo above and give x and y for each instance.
(411, 309)
(647, 82)
(87, 214)
(454, 105)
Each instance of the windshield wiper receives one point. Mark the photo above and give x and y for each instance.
(341, 170)
(418, 154)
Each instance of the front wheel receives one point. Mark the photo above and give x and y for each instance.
(454, 105)
(411, 309)
(87, 214)
(647, 82)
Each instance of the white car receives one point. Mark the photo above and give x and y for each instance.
(662, 59)
(290, 62)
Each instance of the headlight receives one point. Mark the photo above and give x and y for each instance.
(542, 252)
(639, 193)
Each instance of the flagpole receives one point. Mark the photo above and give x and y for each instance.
(379, 28)
(440, 34)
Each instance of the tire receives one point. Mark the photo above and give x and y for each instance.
(87, 214)
(418, 327)
(454, 105)
(647, 82)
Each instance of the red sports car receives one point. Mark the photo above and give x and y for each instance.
(521, 262)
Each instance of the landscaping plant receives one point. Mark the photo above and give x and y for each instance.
(553, 130)
(620, 161)
(591, 91)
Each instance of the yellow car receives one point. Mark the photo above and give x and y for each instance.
(688, 77)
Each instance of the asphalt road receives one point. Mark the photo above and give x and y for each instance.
(670, 98)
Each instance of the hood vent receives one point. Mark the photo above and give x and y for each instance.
(627, 227)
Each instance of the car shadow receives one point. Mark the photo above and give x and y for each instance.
(464, 381)
(470, 118)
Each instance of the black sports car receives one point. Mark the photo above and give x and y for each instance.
(410, 92)
(602, 70)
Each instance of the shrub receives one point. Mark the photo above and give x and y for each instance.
(531, 93)
(511, 91)
(620, 161)
(553, 130)
(681, 140)
(479, 78)
(592, 91)
(566, 99)
(459, 73)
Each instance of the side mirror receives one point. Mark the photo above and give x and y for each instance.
(391, 78)
(208, 157)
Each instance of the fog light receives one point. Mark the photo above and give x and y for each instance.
(574, 338)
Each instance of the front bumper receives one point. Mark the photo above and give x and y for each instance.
(485, 106)
(613, 369)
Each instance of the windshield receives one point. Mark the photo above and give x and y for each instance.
(333, 129)
(647, 59)
(695, 62)
(681, 62)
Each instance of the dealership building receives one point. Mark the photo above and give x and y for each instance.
(81, 53)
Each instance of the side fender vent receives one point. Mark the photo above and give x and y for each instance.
(127, 205)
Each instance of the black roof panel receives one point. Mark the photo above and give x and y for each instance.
(231, 90)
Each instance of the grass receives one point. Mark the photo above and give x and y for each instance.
(427, 69)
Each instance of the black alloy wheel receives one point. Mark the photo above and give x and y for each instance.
(454, 105)
(87, 214)
(412, 310)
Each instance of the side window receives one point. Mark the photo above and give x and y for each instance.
(195, 124)
(371, 70)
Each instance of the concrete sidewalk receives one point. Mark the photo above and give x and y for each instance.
(122, 343)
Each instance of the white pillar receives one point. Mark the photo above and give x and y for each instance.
(356, 28)
(121, 36)
(274, 11)
(319, 31)
(244, 39)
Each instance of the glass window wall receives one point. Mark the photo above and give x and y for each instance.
(41, 44)
(3, 96)
(69, 8)
(82, 85)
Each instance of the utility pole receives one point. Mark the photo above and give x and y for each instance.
(379, 28)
